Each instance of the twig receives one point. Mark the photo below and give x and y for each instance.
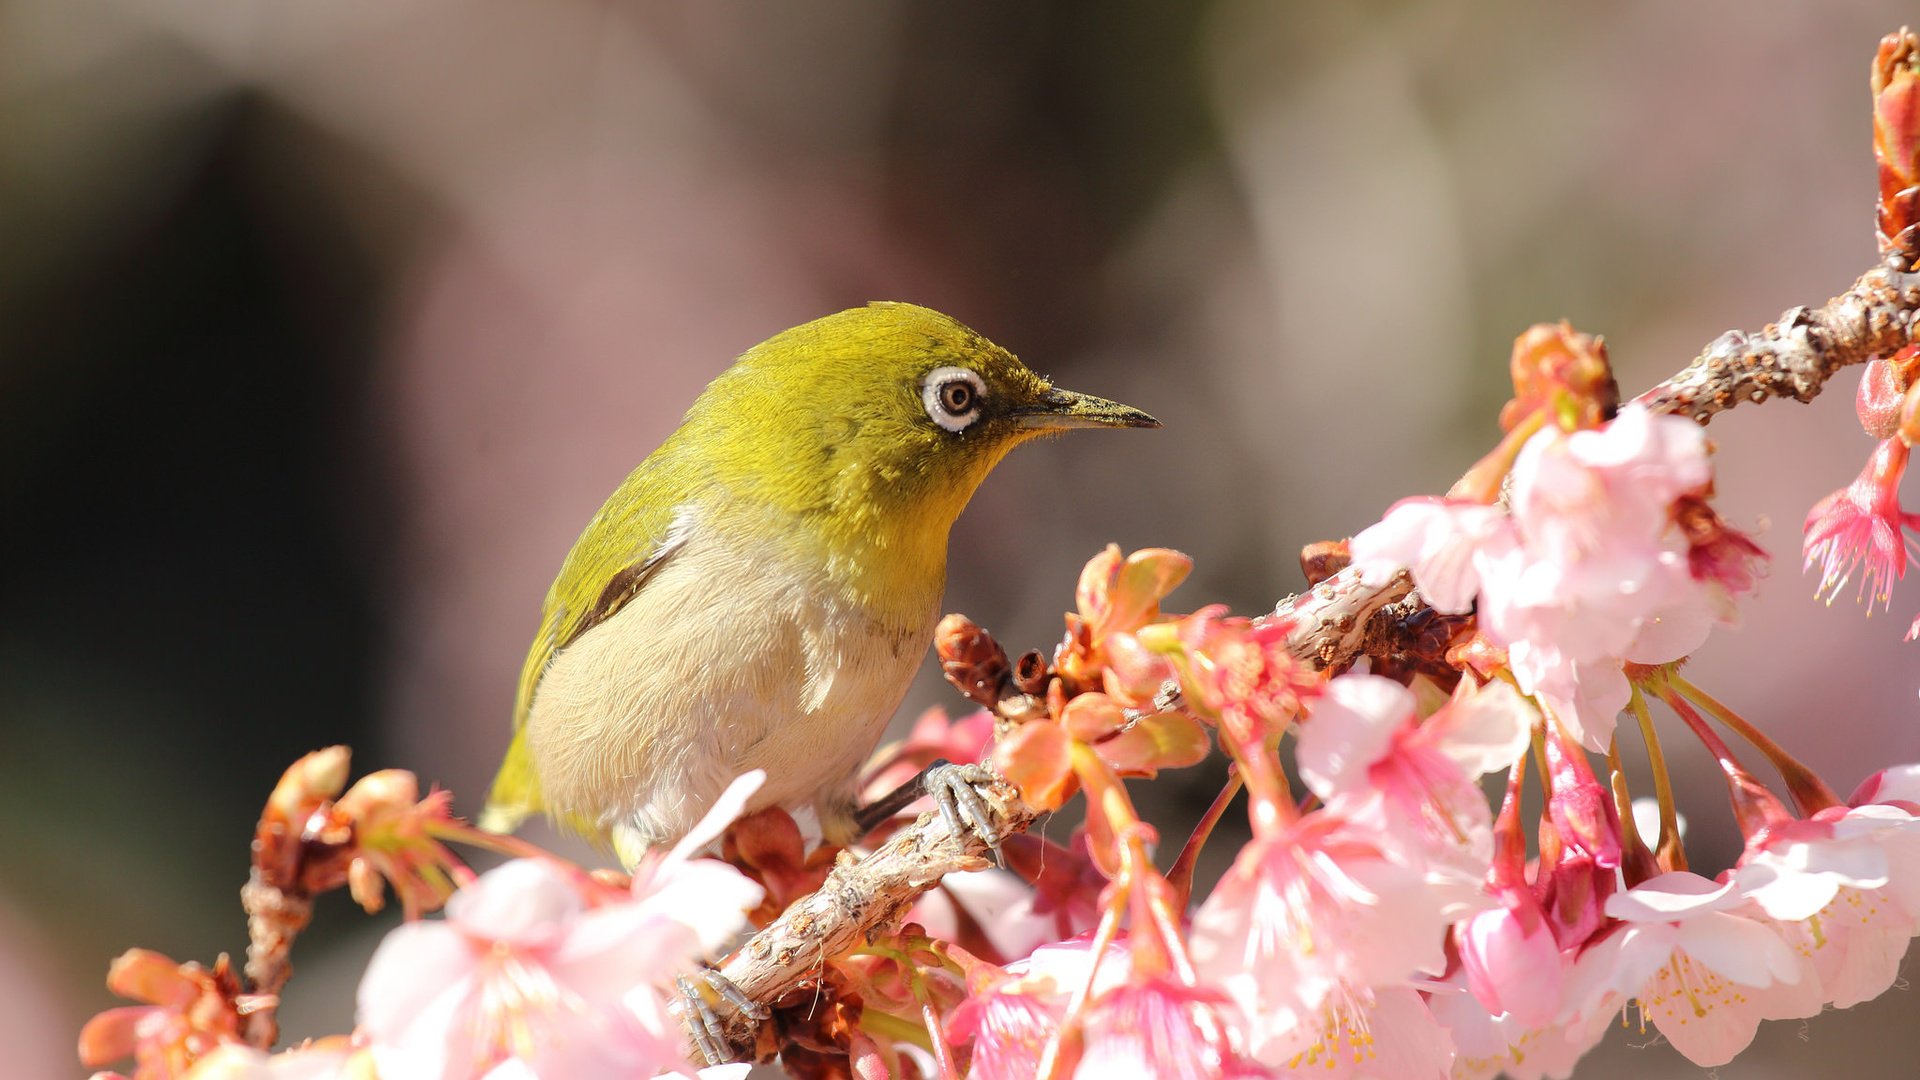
(858, 899)
(274, 918)
(1795, 356)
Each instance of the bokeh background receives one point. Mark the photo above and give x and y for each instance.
(324, 327)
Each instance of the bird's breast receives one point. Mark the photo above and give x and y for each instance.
(735, 655)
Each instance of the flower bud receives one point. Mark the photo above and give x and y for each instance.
(1877, 402)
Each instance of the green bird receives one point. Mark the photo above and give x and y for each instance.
(758, 593)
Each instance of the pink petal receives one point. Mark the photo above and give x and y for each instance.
(1351, 727)
(725, 809)
(1671, 896)
(1740, 950)
(1485, 732)
(525, 903)
(413, 997)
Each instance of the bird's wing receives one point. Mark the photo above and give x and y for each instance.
(621, 548)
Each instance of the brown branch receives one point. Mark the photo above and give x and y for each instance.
(1795, 356)
(859, 899)
(275, 917)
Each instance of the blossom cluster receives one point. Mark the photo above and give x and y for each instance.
(1385, 921)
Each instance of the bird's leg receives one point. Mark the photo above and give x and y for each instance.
(704, 1024)
(952, 788)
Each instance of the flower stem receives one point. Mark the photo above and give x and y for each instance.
(1754, 806)
(1181, 874)
(885, 1025)
(1636, 862)
(1668, 850)
(1810, 793)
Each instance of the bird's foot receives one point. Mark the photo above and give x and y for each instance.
(703, 1021)
(955, 794)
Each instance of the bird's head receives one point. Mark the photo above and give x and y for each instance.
(879, 422)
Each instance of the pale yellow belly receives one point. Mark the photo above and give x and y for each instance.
(644, 721)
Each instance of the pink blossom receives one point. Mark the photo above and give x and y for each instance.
(525, 969)
(1701, 964)
(1365, 745)
(1236, 671)
(1794, 870)
(1393, 1037)
(1861, 528)
(1855, 944)
(1436, 540)
(1489, 1045)
(1318, 912)
(1015, 917)
(1512, 962)
(1590, 571)
(1843, 886)
(1011, 1021)
(1154, 1027)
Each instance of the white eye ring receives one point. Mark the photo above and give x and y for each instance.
(952, 396)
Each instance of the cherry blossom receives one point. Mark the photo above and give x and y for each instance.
(1488, 1044)
(1365, 746)
(1394, 1036)
(1012, 1020)
(1438, 541)
(1320, 912)
(1155, 1027)
(541, 966)
(1862, 529)
(1700, 963)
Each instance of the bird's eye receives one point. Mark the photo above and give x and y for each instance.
(952, 397)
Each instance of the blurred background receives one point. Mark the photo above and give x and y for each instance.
(325, 327)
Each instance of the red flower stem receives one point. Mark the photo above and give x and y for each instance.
(1810, 793)
(1636, 862)
(1509, 867)
(1180, 876)
(460, 832)
(1754, 807)
(1270, 801)
(1667, 850)
(1137, 884)
(942, 1053)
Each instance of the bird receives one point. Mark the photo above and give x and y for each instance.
(759, 592)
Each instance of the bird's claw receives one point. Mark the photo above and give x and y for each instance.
(959, 802)
(704, 1024)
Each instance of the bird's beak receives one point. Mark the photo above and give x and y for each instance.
(1060, 409)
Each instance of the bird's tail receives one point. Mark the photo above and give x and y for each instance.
(516, 789)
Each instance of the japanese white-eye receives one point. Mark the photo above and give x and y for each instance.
(758, 593)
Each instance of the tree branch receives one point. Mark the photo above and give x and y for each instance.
(858, 899)
(1795, 356)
